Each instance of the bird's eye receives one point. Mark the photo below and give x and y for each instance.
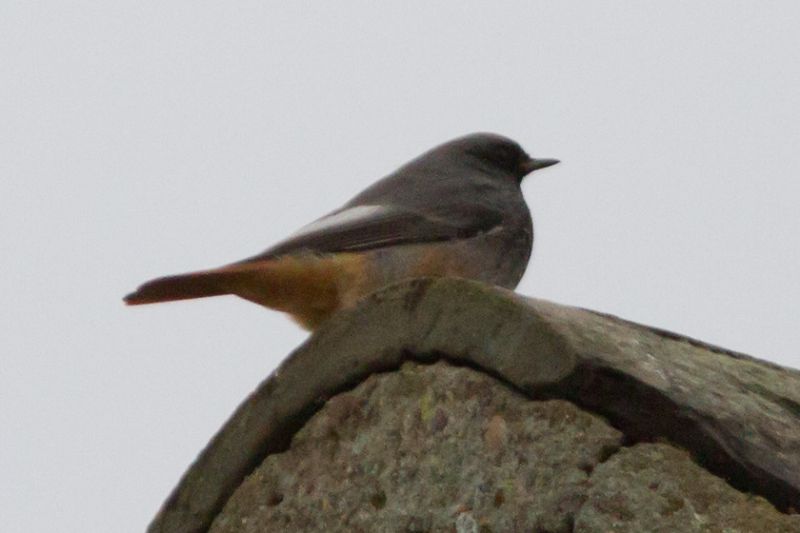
(496, 154)
(503, 153)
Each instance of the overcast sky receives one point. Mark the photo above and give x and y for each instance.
(146, 138)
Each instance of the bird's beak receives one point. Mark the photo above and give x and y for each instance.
(535, 164)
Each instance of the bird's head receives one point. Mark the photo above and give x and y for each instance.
(493, 153)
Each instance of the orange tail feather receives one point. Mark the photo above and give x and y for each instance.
(308, 287)
(183, 287)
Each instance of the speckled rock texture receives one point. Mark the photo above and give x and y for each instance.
(739, 417)
(427, 448)
(658, 488)
(438, 448)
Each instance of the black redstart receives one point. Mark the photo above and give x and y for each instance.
(456, 210)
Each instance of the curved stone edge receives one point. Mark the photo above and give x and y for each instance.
(409, 318)
(739, 416)
(543, 349)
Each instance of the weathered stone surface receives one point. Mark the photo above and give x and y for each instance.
(740, 417)
(657, 488)
(428, 448)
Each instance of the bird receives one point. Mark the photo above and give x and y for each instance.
(457, 210)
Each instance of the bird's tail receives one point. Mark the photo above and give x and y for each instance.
(185, 287)
(307, 287)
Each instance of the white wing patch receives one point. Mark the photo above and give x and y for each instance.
(353, 214)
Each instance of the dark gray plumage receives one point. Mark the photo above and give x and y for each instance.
(456, 210)
(455, 191)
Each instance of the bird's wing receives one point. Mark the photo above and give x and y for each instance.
(367, 227)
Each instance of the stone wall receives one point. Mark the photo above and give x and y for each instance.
(524, 416)
(443, 448)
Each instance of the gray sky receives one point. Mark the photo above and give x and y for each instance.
(146, 138)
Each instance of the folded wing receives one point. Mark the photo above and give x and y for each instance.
(367, 227)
